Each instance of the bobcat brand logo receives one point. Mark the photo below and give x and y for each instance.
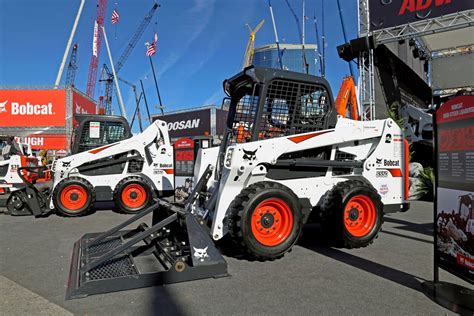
(27, 109)
(3, 106)
(166, 165)
(200, 254)
(66, 164)
(250, 155)
(391, 163)
(378, 161)
(80, 110)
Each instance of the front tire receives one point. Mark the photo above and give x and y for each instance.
(73, 197)
(265, 220)
(351, 214)
(132, 195)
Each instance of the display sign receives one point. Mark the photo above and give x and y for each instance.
(36, 107)
(188, 124)
(83, 104)
(454, 141)
(45, 141)
(184, 157)
(94, 130)
(385, 14)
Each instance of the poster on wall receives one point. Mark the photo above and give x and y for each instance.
(454, 218)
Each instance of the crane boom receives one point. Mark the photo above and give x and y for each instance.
(136, 36)
(99, 22)
(249, 51)
(125, 54)
(72, 67)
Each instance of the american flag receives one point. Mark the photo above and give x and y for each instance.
(115, 16)
(151, 48)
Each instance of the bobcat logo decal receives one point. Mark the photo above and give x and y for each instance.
(378, 161)
(66, 164)
(3, 107)
(200, 254)
(250, 155)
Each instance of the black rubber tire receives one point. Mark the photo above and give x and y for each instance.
(123, 184)
(332, 208)
(16, 204)
(62, 209)
(240, 215)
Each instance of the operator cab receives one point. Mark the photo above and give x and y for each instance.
(267, 103)
(98, 130)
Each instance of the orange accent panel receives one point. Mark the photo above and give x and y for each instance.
(169, 171)
(397, 173)
(302, 138)
(98, 150)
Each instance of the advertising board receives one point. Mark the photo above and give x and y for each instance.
(45, 141)
(454, 212)
(82, 104)
(32, 108)
(385, 14)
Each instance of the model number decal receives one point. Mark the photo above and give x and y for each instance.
(381, 174)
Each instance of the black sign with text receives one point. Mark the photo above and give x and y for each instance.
(454, 142)
(390, 13)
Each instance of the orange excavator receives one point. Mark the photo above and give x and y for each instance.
(346, 100)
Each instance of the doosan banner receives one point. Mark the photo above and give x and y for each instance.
(32, 108)
(390, 13)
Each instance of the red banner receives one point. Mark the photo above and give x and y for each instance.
(45, 141)
(20, 108)
(82, 105)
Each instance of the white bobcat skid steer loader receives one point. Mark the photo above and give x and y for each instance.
(285, 156)
(131, 172)
(14, 155)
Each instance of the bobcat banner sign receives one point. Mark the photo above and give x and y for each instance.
(385, 14)
(454, 205)
(32, 108)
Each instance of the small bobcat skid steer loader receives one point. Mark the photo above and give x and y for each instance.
(285, 155)
(131, 172)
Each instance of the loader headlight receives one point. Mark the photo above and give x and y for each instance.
(228, 157)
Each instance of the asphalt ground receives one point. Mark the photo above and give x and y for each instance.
(384, 278)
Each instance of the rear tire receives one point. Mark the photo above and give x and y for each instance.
(132, 195)
(351, 214)
(265, 220)
(73, 197)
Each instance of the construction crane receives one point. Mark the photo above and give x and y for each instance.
(99, 22)
(72, 67)
(123, 58)
(107, 77)
(249, 51)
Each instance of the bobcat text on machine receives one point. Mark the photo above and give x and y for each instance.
(131, 172)
(285, 159)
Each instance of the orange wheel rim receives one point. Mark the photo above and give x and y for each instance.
(359, 216)
(134, 195)
(272, 222)
(73, 197)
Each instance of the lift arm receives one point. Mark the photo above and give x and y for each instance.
(347, 99)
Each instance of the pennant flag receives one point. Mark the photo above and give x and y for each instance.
(151, 48)
(95, 39)
(115, 16)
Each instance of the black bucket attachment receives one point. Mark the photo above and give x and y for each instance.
(175, 248)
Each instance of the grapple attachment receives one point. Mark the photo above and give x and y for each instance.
(173, 248)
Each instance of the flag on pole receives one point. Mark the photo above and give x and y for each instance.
(95, 39)
(115, 16)
(151, 48)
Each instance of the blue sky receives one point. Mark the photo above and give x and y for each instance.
(200, 43)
